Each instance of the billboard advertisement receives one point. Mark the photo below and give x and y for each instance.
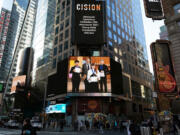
(18, 83)
(89, 74)
(89, 22)
(1, 87)
(153, 9)
(58, 108)
(163, 67)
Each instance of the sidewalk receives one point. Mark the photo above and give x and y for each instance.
(70, 131)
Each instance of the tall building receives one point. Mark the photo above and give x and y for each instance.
(172, 14)
(43, 38)
(163, 32)
(125, 44)
(25, 30)
(4, 26)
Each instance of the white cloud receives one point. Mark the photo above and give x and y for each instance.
(152, 30)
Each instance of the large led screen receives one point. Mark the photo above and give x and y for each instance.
(89, 22)
(163, 67)
(58, 108)
(89, 74)
(18, 83)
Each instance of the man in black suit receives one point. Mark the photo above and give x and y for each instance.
(85, 68)
(103, 70)
(76, 76)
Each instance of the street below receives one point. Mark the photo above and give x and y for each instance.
(5, 131)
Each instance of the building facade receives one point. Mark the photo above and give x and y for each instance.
(24, 37)
(125, 44)
(172, 14)
(43, 38)
(163, 33)
(4, 26)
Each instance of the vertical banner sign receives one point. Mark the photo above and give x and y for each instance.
(89, 22)
(163, 67)
(153, 9)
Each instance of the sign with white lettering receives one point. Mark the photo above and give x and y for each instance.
(89, 22)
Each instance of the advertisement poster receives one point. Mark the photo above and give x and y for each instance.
(18, 83)
(89, 74)
(163, 67)
(58, 108)
(89, 22)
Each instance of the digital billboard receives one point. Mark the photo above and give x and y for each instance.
(89, 22)
(18, 83)
(153, 9)
(163, 67)
(1, 87)
(89, 74)
(58, 108)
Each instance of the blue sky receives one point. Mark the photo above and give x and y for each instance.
(152, 28)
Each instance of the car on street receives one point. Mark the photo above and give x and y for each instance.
(12, 124)
(36, 124)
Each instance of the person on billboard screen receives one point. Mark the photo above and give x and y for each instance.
(93, 78)
(86, 66)
(103, 71)
(76, 76)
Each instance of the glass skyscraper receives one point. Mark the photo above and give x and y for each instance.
(22, 28)
(43, 36)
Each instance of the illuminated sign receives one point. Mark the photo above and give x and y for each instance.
(163, 67)
(89, 24)
(89, 74)
(18, 83)
(1, 87)
(58, 108)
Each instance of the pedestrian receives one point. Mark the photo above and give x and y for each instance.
(132, 128)
(27, 129)
(87, 124)
(62, 125)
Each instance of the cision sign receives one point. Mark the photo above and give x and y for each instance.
(89, 22)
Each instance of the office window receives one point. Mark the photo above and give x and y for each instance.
(67, 33)
(109, 23)
(61, 37)
(67, 22)
(72, 52)
(58, 10)
(55, 51)
(119, 31)
(57, 20)
(68, 11)
(62, 16)
(54, 63)
(60, 48)
(59, 58)
(57, 30)
(65, 55)
(61, 26)
(109, 34)
(114, 27)
(63, 4)
(119, 41)
(68, 2)
(56, 40)
(65, 45)
(115, 37)
(109, 12)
